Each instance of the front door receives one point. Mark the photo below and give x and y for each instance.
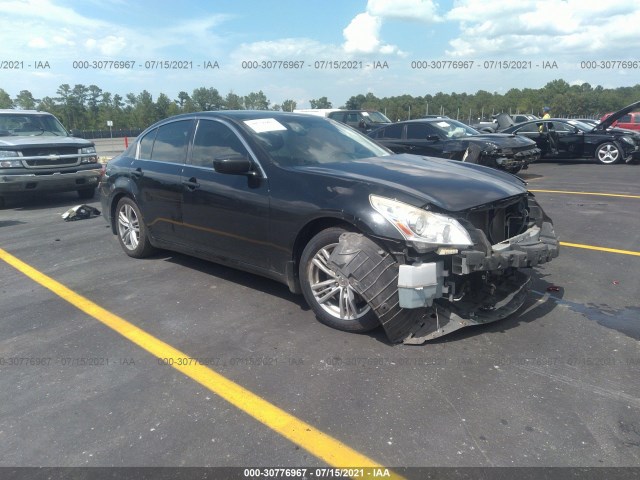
(224, 215)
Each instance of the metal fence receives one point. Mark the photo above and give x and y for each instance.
(115, 133)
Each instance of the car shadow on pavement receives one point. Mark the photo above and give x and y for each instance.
(228, 274)
(41, 201)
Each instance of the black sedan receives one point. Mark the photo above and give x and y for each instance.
(563, 138)
(421, 246)
(448, 138)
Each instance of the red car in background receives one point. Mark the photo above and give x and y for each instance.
(630, 121)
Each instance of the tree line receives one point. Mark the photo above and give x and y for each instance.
(89, 107)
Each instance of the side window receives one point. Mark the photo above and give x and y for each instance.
(625, 119)
(417, 131)
(215, 140)
(353, 118)
(636, 118)
(529, 128)
(171, 142)
(338, 116)
(393, 132)
(146, 144)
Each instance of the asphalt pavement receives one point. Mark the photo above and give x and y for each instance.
(556, 385)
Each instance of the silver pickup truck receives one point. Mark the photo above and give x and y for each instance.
(38, 155)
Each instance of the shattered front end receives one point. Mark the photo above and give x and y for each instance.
(453, 272)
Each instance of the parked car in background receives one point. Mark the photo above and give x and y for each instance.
(559, 137)
(630, 121)
(420, 246)
(363, 120)
(451, 139)
(502, 121)
(38, 155)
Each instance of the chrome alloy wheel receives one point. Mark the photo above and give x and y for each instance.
(128, 227)
(608, 153)
(332, 291)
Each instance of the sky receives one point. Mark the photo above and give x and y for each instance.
(386, 47)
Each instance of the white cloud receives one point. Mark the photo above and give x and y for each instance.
(107, 46)
(549, 27)
(38, 42)
(362, 36)
(418, 10)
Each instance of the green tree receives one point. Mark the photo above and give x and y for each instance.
(256, 101)
(25, 100)
(322, 102)
(5, 99)
(206, 99)
(233, 101)
(289, 105)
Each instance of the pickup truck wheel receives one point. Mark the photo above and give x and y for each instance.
(608, 153)
(132, 232)
(331, 298)
(87, 193)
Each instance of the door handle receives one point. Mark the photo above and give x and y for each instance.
(191, 184)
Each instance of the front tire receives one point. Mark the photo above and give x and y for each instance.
(131, 230)
(331, 298)
(608, 153)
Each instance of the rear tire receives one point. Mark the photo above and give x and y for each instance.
(131, 230)
(608, 153)
(333, 300)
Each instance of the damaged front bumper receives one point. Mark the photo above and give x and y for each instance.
(434, 296)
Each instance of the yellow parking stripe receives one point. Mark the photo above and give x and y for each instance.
(314, 441)
(622, 195)
(601, 249)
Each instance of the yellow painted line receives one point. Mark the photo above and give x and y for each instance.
(314, 441)
(622, 195)
(601, 249)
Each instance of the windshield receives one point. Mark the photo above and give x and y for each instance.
(376, 117)
(581, 125)
(17, 124)
(308, 140)
(453, 129)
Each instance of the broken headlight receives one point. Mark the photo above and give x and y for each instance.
(424, 229)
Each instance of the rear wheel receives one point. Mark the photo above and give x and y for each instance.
(330, 296)
(608, 153)
(132, 232)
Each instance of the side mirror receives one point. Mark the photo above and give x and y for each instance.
(233, 165)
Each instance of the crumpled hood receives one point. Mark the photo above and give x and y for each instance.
(448, 184)
(607, 122)
(43, 141)
(502, 140)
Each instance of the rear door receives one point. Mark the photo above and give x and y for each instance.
(225, 216)
(156, 171)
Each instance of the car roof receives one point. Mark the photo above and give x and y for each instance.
(23, 112)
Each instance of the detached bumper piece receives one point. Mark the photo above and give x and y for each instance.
(444, 317)
(535, 246)
(423, 301)
(373, 274)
